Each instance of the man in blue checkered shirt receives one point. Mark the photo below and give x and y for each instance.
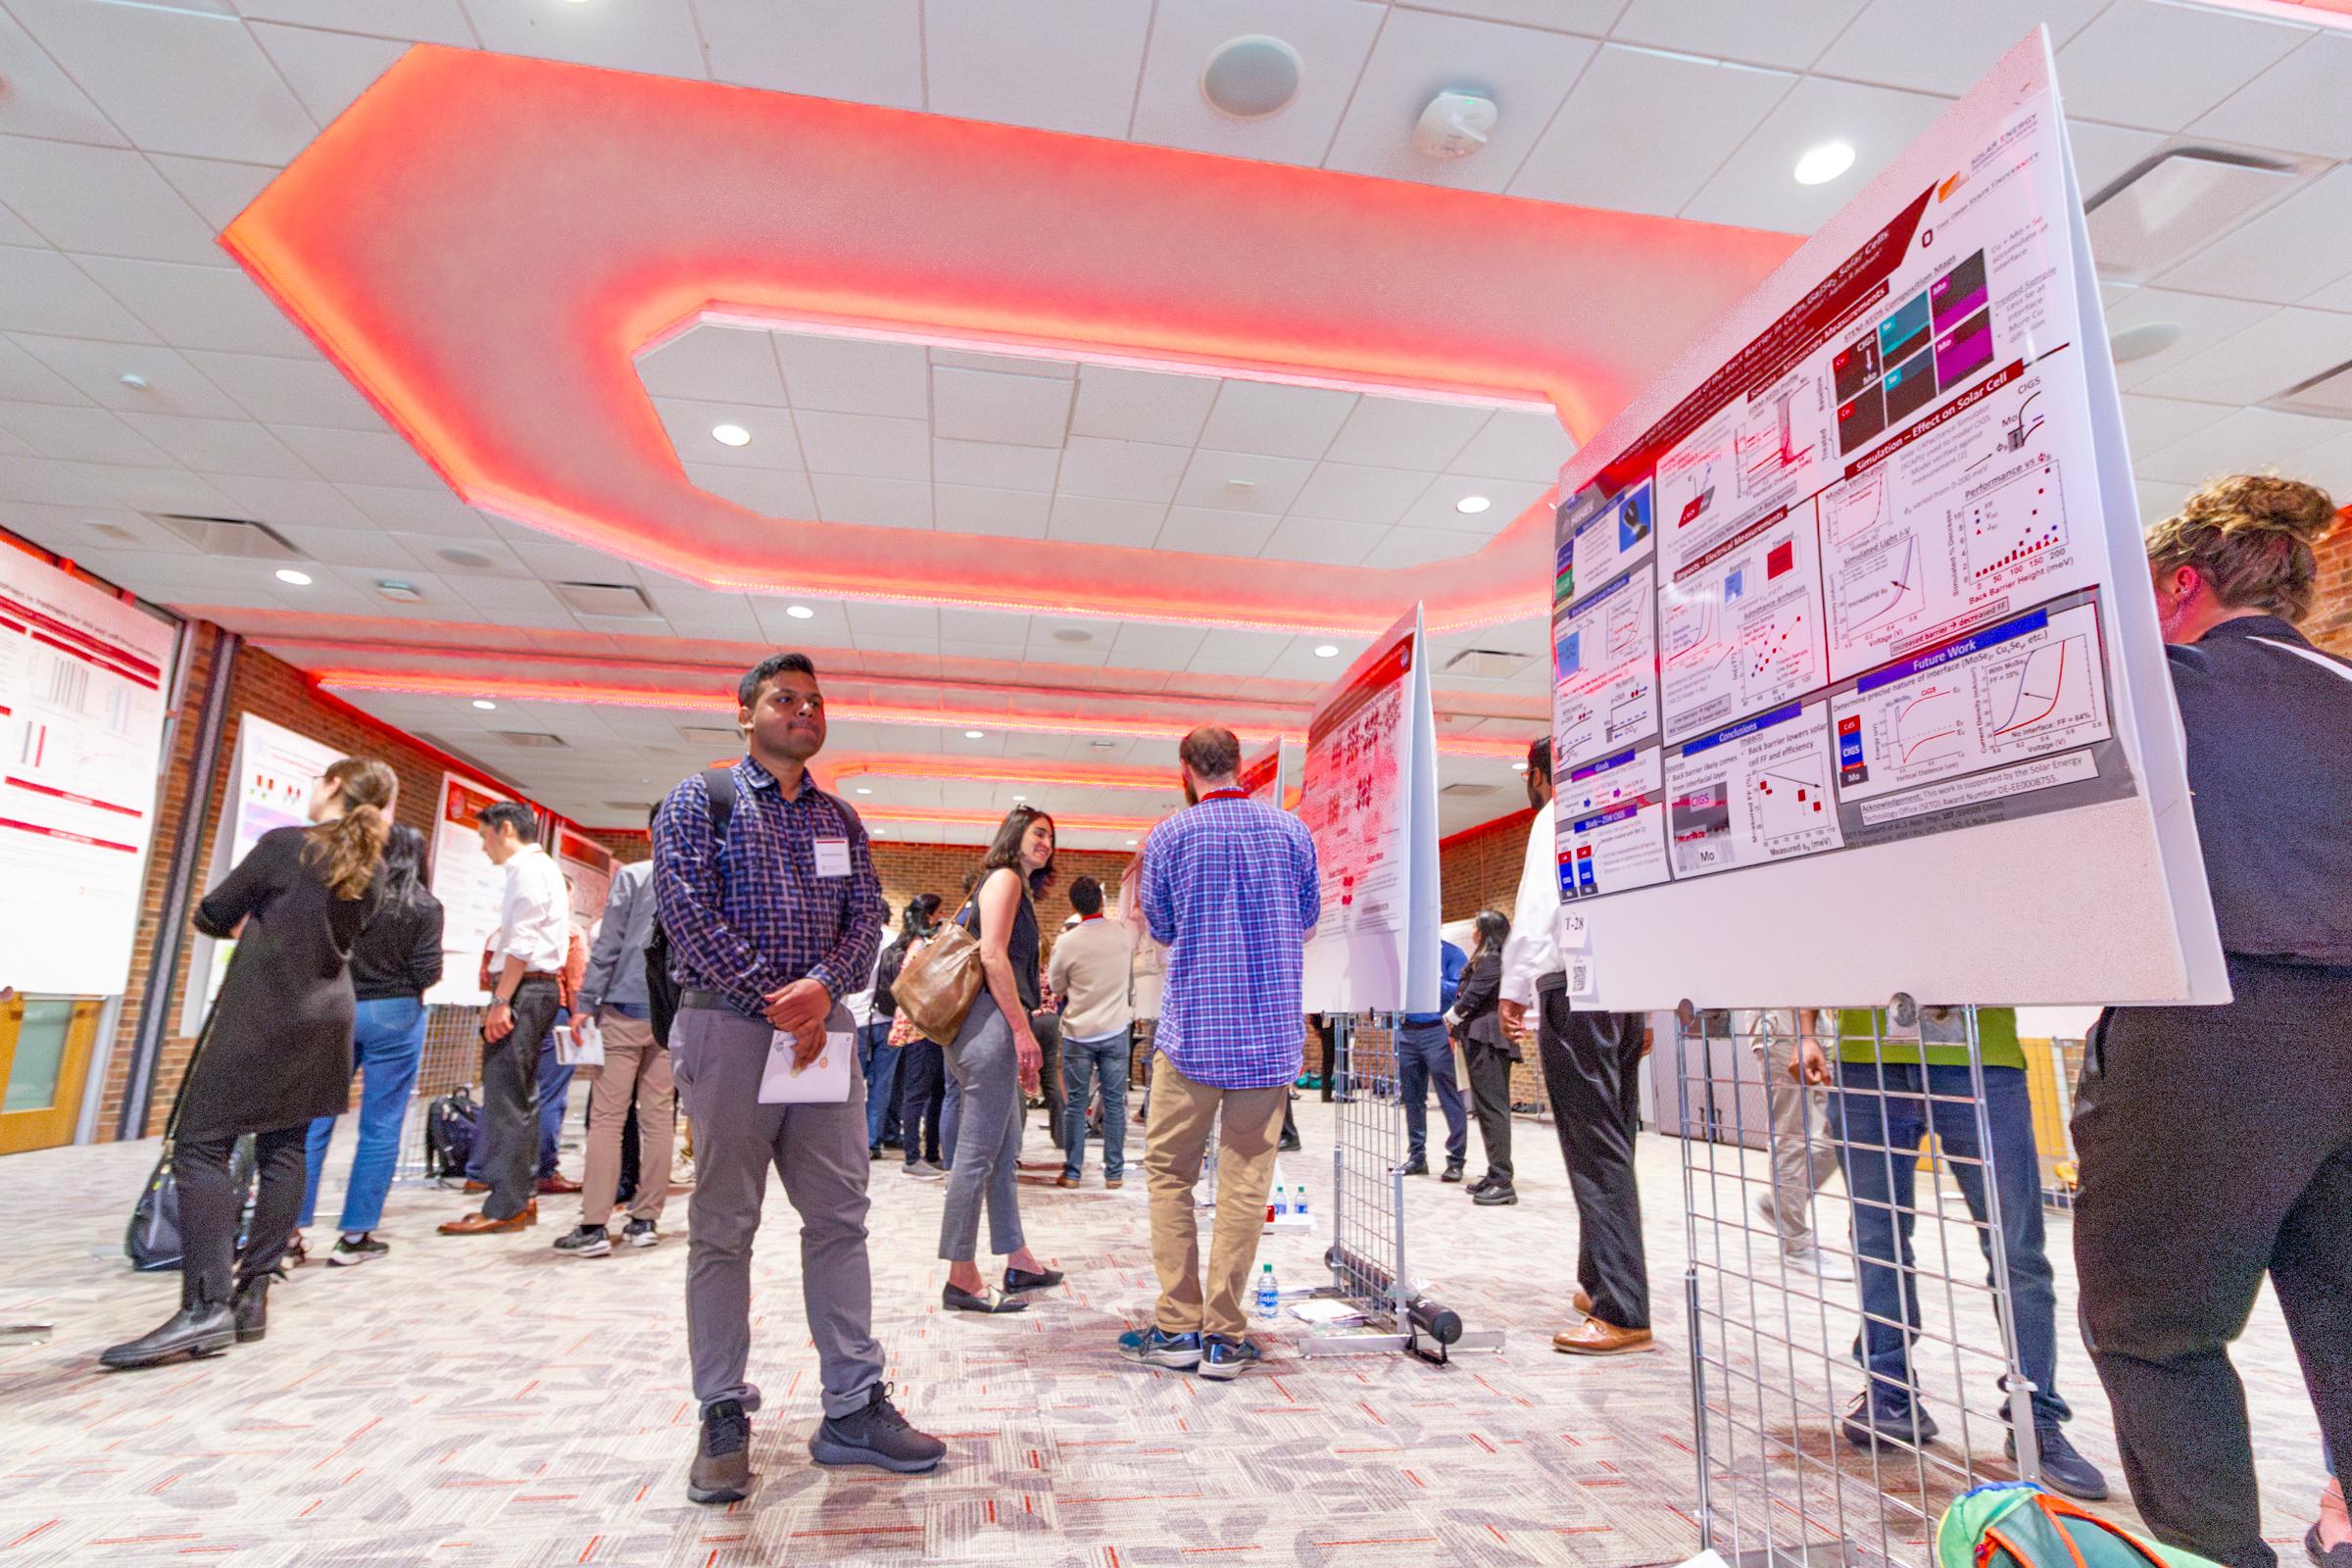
(1229, 887)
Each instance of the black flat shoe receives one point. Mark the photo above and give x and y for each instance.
(1454, 1172)
(958, 1301)
(1494, 1197)
(1416, 1167)
(251, 1309)
(194, 1331)
(1021, 1279)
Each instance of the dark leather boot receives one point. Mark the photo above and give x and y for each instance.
(201, 1328)
(251, 1309)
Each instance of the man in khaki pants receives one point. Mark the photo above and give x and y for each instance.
(636, 1065)
(1231, 888)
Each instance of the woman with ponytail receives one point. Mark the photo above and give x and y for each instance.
(276, 1054)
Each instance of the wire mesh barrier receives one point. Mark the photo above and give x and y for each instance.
(1867, 1287)
(453, 1059)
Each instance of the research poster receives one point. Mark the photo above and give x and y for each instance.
(1272, 776)
(1368, 795)
(471, 890)
(84, 679)
(270, 777)
(587, 866)
(1860, 574)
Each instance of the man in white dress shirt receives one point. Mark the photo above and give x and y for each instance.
(526, 962)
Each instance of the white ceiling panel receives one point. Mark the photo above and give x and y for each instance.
(1602, 149)
(999, 514)
(2150, 424)
(1418, 547)
(174, 385)
(327, 71)
(1142, 405)
(1157, 647)
(1025, 411)
(13, 230)
(1005, 363)
(1400, 433)
(1353, 492)
(1331, 36)
(1516, 444)
(1506, 498)
(866, 445)
(1524, 72)
(2298, 104)
(221, 446)
(883, 503)
(893, 620)
(2159, 65)
(2204, 319)
(196, 306)
(1756, 188)
(1930, 46)
(650, 36)
(358, 456)
(414, 511)
(169, 489)
(106, 200)
(969, 633)
(2249, 440)
(1591, 17)
(1122, 471)
(57, 483)
(78, 435)
(219, 190)
(41, 100)
(993, 464)
(1095, 520)
(1213, 531)
(41, 291)
(1276, 419)
(870, 53)
(289, 391)
(1792, 38)
(349, 547)
(313, 502)
(1323, 543)
(771, 492)
(26, 380)
(2261, 360)
(174, 80)
(703, 612)
(1059, 65)
(774, 443)
(717, 364)
(424, 21)
(2292, 250)
(1243, 481)
(2104, 153)
(2330, 467)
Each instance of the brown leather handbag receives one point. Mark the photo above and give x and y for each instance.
(940, 981)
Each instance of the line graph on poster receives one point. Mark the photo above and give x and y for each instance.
(1881, 592)
(2042, 698)
(2006, 533)
(1851, 512)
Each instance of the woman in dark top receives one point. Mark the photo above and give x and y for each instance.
(1488, 1052)
(394, 964)
(995, 1058)
(276, 1054)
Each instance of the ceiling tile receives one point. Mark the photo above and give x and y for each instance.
(1059, 65)
(994, 465)
(914, 621)
(41, 291)
(1351, 493)
(1602, 149)
(2330, 467)
(327, 71)
(1007, 364)
(655, 36)
(708, 613)
(1002, 514)
(1213, 531)
(2335, 296)
(219, 190)
(296, 500)
(868, 53)
(1026, 411)
(1142, 405)
(715, 363)
(2150, 424)
(2247, 441)
(106, 200)
(41, 100)
(288, 391)
(1091, 520)
(865, 445)
(882, 503)
(1591, 17)
(2103, 153)
(1398, 432)
(1242, 481)
(850, 375)
(26, 380)
(774, 443)
(80, 434)
(1930, 46)
(2158, 64)
(381, 552)
(2158, 500)
(1122, 471)
(412, 511)
(1731, 30)
(174, 80)
(221, 446)
(970, 633)
(2298, 104)
(13, 230)
(168, 490)
(1332, 38)
(2263, 359)
(1276, 419)
(1525, 72)
(1154, 646)
(1757, 188)
(424, 21)
(771, 492)
(2284, 254)
(196, 306)
(1325, 544)
(358, 456)
(1435, 507)
(2204, 319)
(1516, 444)
(55, 484)
(1418, 547)
(96, 369)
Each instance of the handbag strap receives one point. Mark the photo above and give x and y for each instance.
(180, 1093)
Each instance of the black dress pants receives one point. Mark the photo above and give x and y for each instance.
(511, 1102)
(1490, 1101)
(210, 1205)
(2216, 1148)
(922, 1092)
(1591, 1066)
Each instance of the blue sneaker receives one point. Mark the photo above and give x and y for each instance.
(1151, 1348)
(1223, 1359)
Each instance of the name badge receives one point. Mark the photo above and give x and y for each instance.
(832, 857)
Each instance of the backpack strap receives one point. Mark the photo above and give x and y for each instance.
(720, 784)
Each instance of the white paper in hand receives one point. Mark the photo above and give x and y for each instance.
(823, 1082)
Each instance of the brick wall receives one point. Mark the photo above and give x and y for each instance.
(1479, 869)
(2330, 623)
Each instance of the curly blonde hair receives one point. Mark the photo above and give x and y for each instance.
(2250, 536)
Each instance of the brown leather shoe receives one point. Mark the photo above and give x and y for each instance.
(1582, 1301)
(1114, 1183)
(478, 1223)
(557, 1184)
(1065, 1181)
(1592, 1337)
(477, 1187)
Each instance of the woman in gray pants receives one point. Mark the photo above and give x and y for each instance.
(996, 1059)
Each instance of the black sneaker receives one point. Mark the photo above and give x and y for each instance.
(641, 1233)
(1494, 1194)
(1879, 1415)
(588, 1241)
(722, 1460)
(1453, 1171)
(352, 1250)
(1221, 1358)
(1416, 1166)
(876, 1435)
(2064, 1470)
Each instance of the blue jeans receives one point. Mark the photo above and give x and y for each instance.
(951, 1119)
(1081, 1062)
(1881, 1108)
(387, 1040)
(1425, 1056)
(554, 1084)
(880, 1064)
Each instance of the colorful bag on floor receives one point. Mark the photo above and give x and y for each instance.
(2011, 1524)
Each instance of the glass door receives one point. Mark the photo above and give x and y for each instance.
(45, 1045)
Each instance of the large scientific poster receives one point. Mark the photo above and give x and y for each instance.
(1856, 684)
(472, 891)
(84, 678)
(1272, 776)
(1369, 795)
(270, 777)
(587, 866)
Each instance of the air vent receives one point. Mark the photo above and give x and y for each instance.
(1487, 663)
(1466, 792)
(228, 536)
(619, 601)
(469, 559)
(633, 808)
(2175, 202)
(2327, 394)
(710, 732)
(536, 740)
(116, 531)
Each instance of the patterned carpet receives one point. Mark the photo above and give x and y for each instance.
(485, 1401)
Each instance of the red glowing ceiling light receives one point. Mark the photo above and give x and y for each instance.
(569, 216)
(943, 816)
(1002, 771)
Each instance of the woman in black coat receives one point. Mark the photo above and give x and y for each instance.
(1488, 1051)
(276, 1054)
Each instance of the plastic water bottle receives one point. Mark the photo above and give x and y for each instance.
(1269, 1293)
(1281, 1202)
(1298, 1201)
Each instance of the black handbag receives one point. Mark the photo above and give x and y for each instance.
(152, 1240)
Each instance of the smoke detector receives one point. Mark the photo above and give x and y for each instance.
(1455, 124)
(1251, 77)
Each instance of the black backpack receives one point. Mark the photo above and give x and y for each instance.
(661, 991)
(451, 1124)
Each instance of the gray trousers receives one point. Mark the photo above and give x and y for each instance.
(509, 1131)
(988, 1147)
(820, 1152)
(1804, 1155)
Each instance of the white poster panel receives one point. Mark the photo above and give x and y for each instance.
(1857, 687)
(1369, 795)
(1272, 776)
(471, 890)
(83, 683)
(271, 774)
(587, 866)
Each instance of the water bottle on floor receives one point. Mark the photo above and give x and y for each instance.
(1298, 1200)
(1269, 1293)
(1281, 1202)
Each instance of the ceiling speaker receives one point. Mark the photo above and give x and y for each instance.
(1251, 77)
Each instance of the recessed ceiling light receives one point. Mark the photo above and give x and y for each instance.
(1472, 504)
(800, 611)
(1131, 844)
(2139, 342)
(1327, 650)
(1073, 634)
(484, 703)
(1825, 163)
(730, 435)
(1251, 77)
(299, 579)
(862, 790)
(1518, 767)
(975, 734)
(1018, 798)
(134, 380)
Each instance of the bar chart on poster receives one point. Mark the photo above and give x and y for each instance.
(1850, 628)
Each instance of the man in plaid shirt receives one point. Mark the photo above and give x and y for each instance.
(1229, 887)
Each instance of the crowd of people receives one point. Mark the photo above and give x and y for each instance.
(2215, 1143)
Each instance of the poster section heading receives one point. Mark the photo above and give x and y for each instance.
(84, 678)
(1846, 591)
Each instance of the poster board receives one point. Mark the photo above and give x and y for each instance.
(83, 685)
(1369, 795)
(271, 776)
(471, 890)
(1271, 776)
(1857, 683)
(588, 866)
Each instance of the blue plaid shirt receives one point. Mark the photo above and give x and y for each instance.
(749, 916)
(1230, 888)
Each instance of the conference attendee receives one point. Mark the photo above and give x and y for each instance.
(2216, 1143)
(275, 1055)
(1229, 887)
(1591, 1065)
(1488, 1053)
(395, 962)
(770, 923)
(1425, 1056)
(636, 1077)
(996, 1059)
(1892, 1089)
(882, 1076)
(527, 959)
(873, 1042)
(1090, 970)
(1804, 1156)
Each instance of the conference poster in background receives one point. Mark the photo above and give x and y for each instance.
(471, 890)
(587, 868)
(271, 778)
